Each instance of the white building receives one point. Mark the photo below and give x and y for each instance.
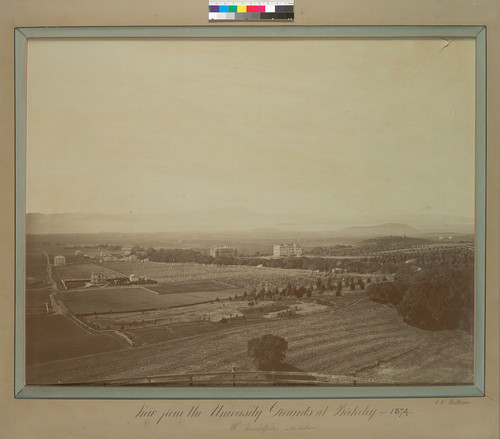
(223, 252)
(59, 260)
(287, 250)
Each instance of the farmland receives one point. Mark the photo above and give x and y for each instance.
(127, 299)
(149, 326)
(235, 275)
(200, 316)
(189, 286)
(37, 301)
(55, 337)
(365, 342)
(36, 269)
(81, 271)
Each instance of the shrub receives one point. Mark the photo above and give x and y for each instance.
(267, 351)
(385, 292)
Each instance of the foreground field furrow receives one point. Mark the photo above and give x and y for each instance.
(318, 335)
(339, 348)
(370, 356)
(438, 361)
(343, 348)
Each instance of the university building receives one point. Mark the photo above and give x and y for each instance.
(287, 250)
(223, 252)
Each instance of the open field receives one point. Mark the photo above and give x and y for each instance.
(81, 271)
(150, 326)
(35, 262)
(190, 286)
(126, 299)
(236, 275)
(36, 268)
(55, 337)
(37, 300)
(362, 341)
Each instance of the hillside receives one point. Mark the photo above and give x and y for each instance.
(362, 341)
(392, 241)
(387, 229)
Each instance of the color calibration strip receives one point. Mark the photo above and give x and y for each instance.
(242, 10)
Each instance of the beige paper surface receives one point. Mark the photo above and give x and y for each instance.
(474, 417)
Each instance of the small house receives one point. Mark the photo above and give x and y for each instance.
(59, 260)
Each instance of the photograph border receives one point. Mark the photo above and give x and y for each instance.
(22, 35)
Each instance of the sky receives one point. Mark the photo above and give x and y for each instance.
(332, 128)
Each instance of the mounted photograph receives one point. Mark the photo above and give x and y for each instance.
(228, 207)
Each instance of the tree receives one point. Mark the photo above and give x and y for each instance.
(267, 351)
(300, 292)
(319, 284)
(385, 292)
(329, 283)
(440, 298)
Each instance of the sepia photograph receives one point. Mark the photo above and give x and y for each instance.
(230, 211)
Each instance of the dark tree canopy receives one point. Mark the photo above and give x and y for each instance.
(441, 298)
(437, 298)
(385, 292)
(268, 351)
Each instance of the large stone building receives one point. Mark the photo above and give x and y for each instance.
(287, 250)
(223, 252)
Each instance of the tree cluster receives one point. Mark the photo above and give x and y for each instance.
(435, 298)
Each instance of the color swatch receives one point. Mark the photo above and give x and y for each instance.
(242, 10)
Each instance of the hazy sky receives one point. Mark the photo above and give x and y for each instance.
(327, 127)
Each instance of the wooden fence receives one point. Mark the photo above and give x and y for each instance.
(227, 378)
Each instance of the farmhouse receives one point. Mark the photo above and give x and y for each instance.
(59, 260)
(287, 250)
(223, 252)
(98, 278)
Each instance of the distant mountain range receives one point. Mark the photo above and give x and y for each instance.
(238, 220)
(379, 230)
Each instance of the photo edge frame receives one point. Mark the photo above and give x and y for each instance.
(22, 35)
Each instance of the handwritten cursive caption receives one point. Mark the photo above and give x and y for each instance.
(267, 418)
